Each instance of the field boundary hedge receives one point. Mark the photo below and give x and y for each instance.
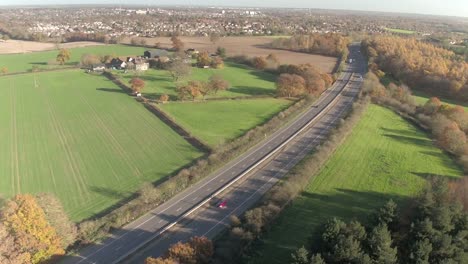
(151, 196)
(237, 242)
(194, 141)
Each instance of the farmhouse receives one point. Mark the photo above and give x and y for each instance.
(98, 67)
(141, 66)
(191, 51)
(117, 63)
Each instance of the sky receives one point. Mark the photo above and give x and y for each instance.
(435, 7)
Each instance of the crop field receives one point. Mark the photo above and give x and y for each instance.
(47, 59)
(215, 122)
(400, 31)
(80, 137)
(384, 158)
(250, 46)
(244, 81)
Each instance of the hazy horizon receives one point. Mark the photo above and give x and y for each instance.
(430, 7)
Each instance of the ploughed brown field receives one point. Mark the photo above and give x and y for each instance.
(250, 46)
(20, 46)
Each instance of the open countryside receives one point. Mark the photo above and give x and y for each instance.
(46, 59)
(84, 140)
(233, 118)
(243, 81)
(384, 158)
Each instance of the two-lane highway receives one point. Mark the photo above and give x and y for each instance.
(258, 169)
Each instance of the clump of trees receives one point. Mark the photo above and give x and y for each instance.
(204, 59)
(34, 229)
(198, 250)
(447, 124)
(325, 44)
(63, 56)
(435, 230)
(136, 84)
(421, 65)
(297, 80)
(194, 89)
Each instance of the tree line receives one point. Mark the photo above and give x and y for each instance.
(325, 44)
(434, 229)
(421, 65)
(447, 124)
(34, 229)
(198, 250)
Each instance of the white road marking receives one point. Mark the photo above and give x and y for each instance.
(265, 144)
(180, 208)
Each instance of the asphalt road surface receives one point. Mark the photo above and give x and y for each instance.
(242, 182)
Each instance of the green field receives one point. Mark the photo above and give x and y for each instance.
(421, 99)
(80, 137)
(46, 59)
(215, 122)
(244, 81)
(400, 31)
(384, 157)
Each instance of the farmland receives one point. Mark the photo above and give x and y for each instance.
(215, 122)
(79, 137)
(244, 81)
(47, 59)
(250, 46)
(400, 31)
(384, 157)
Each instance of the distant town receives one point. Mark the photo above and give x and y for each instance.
(112, 24)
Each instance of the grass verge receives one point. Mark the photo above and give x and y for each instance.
(216, 122)
(384, 157)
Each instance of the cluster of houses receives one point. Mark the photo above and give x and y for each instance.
(150, 58)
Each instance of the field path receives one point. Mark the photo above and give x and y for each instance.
(115, 143)
(16, 186)
(71, 160)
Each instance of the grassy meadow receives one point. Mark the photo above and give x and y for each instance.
(244, 81)
(400, 31)
(47, 59)
(80, 137)
(215, 122)
(421, 99)
(384, 157)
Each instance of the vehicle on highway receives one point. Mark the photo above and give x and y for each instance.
(222, 204)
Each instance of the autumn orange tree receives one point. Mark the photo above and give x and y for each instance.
(290, 85)
(164, 98)
(137, 84)
(326, 44)
(419, 64)
(26, 235)
(198, 250)
(63, 56)
(217, 83)
(203, 59)
(57, 217)
(259, 63)
(177, 44)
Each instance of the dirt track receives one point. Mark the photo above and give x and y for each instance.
(20, 46)
(250, 46)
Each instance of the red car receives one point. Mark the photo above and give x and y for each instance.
(222, 204)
